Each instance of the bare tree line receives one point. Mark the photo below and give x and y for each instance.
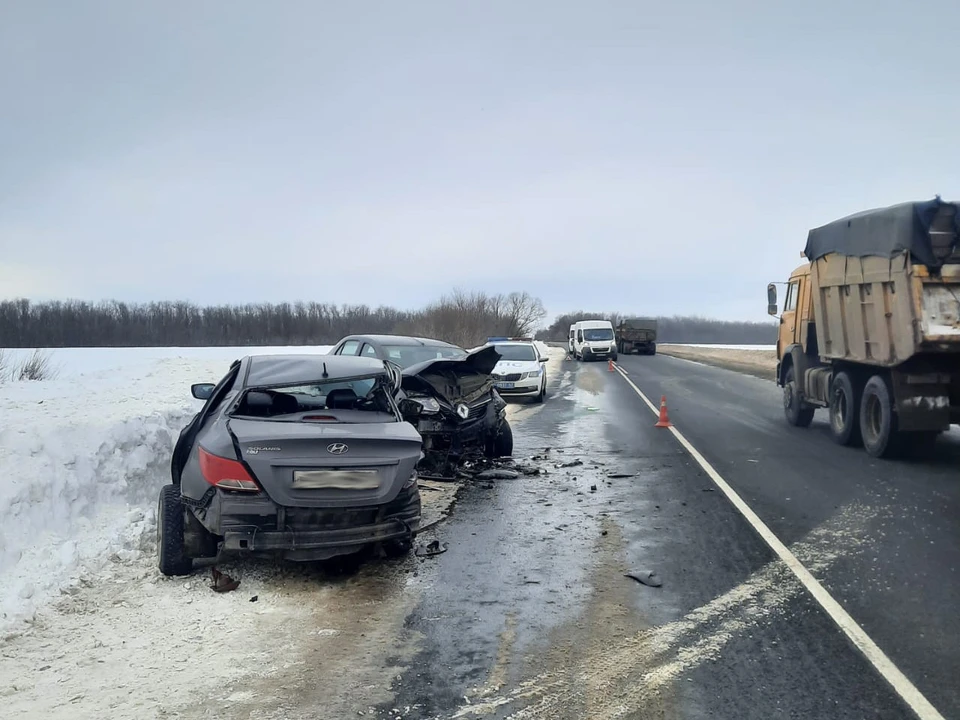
(459, 317)
(677, 329)
(466, 319)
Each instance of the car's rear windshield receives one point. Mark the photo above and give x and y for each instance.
(594, 334)
(516, 352)
(407, 355)
(360, 393)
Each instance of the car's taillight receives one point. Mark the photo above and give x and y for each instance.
(225, 473)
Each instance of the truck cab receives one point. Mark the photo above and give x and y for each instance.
(796, 318)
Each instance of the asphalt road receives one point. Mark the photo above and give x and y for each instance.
(529, 615)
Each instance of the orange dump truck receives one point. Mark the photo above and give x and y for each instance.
(870, 328)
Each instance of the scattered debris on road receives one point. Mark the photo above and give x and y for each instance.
(572, 463)
(498, 474)
(222, 582)
(645, 577)
(434, 547)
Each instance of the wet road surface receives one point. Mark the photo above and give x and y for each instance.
(528, 613)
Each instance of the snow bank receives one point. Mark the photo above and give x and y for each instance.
(78, 362)
(82, 459)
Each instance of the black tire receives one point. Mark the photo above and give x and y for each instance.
(502, 445)
(614, 358)
(878, 421)
(845, 411)
(797, 414)
(543, 391)
(653, 349)
(171, 558)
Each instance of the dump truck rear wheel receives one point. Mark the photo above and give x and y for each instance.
(797, 413)
(845, 411)
(878, 422)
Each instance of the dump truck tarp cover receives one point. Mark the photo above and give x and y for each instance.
(884, 232)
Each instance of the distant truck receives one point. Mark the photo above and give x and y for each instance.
(870, 328)
(637, 335)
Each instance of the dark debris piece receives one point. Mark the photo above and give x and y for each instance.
(645, 577)
(431, 548)
(222, 582)
(498, 474)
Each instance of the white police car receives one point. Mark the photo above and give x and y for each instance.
(521, 371)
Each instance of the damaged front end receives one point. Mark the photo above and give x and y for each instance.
(457, 411)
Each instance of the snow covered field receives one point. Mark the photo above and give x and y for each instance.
(82, 457)
(89, 628)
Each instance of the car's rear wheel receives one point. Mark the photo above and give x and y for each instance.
(171, 555)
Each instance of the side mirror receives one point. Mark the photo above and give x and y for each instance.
(202, 391)
(543, 359)
(771, 299)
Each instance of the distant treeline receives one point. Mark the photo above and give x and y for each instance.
(466, 319)
(678, 329)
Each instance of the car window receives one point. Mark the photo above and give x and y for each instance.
(276, 401)
(516, 352)
(595, 334)
(350, 347)
(369, 351)
(407, 355)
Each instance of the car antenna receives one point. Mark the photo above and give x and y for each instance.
(325, 373)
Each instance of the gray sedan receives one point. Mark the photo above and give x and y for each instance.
(300, 456)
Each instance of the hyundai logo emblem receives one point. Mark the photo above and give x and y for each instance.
(337, 448)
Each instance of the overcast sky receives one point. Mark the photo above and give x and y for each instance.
(663, 158)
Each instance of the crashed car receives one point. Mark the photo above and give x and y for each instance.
(450, 396)
(304, 457)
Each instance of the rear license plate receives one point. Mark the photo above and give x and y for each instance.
(505, 386)
(336, 479)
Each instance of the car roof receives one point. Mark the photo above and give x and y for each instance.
(290, 369)
(400, 340)
(511, 342)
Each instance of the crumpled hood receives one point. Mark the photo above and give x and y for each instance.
(483, 361)
(462, 379)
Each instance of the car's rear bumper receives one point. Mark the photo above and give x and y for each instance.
(265, 540)
(256, 524)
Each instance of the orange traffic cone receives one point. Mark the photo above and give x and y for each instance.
(610, 364)
(664, 420)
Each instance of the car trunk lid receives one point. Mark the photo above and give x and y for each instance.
(312, 464)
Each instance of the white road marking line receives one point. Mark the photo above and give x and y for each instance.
(856, 634)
